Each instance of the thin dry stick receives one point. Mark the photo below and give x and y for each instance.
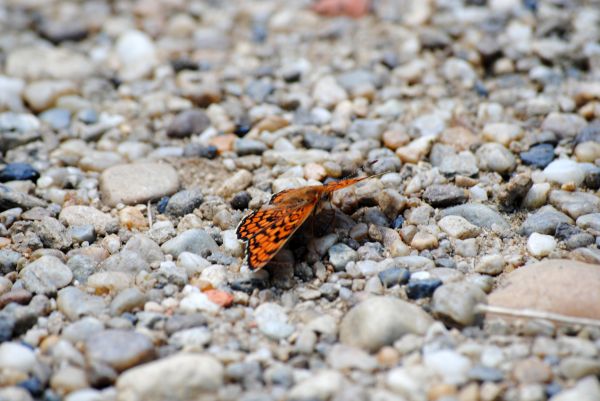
(536, 314)
(149, 215)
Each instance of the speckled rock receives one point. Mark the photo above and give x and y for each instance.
(137, 183)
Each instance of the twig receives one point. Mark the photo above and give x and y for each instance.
(149, 215)
(536, 314)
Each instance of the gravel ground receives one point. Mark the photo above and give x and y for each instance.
(134, 136)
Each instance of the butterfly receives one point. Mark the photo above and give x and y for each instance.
(266, 230)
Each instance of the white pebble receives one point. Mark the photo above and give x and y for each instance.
(540, 244)
(563, 171)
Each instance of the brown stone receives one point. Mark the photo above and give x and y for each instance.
(560, 286)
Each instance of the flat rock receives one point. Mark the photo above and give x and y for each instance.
(120, 349)
(194, 240)
(380, 321)
(548, 286)
(180, 377)
(478, 214)
(137, 183)
(77, 215)
(59, 63)
(575, 204)
(46, 275)
(74, 303)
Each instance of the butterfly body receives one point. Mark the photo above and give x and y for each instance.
(268, 229)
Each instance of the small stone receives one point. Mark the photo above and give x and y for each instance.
(491, 265)
(328, 93)
(59, 63)
(83, 233)
(394, 276)
(458, 227)
(444, 195)
(456, 303)
(422, 288)
(77, 215)
(137, 55)
(415, 150)
(478, 214)
(184, 202)
(126, 301)
(563, 124)
(320, 386)
(18, 171)
(342, 357)
(194, 240)
(513, 193)
(424, 240)
(240, 200)
(52, 233)
(273, 321)
(495, 157)
(187, 123)
(132, 217)
(380, 321)
(137, 183)
(565, 171)
(587, 152)
(68, 379)
(576, 367)
(450, 365)
(502, 133)
(16, 356)
(46, 275)
(537, 195)
(244, 147)
(575, 204)
(532, 370)
(221, 298)
(174, 378)
(540, 245)
(119, 349)
(193, 338)
(538, 155)
(74, 303)
(236, 183)
(340, 255)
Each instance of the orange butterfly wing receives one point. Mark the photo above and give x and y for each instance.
(267, 230)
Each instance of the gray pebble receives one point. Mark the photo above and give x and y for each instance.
(119, 349)
(194, 240)
(455, 303)
(46, 275)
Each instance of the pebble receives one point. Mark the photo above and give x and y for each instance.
(272, 321)
(450, 365)
(444, 195)
(563, 171)
(540, 245)
(194, 240)
(321, 386)
(564, 125)
(576, 368)
(480, 215)
(540, 155)
(495, 157)
(455, 303)
(575, 204)
(546, 286)
(394, 276)
(236, 183)
(340, 255)
(76, 216)
(137, 55)
(586, 389)
(490, 264)
(137, 183)
(17, 356)
(502, 133)
(184, 202)
(18, 171)
(59, 63)
(74, 303)
(46, 275)
(174, 377)
(343, 357)
(187, 123)
(458, 227)
(119, 349)
(126, 301)
(422, 288)
(380, 321)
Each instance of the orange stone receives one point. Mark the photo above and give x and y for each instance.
(219, 297)
(223, 143)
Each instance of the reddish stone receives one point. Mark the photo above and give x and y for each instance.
(221, 298)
